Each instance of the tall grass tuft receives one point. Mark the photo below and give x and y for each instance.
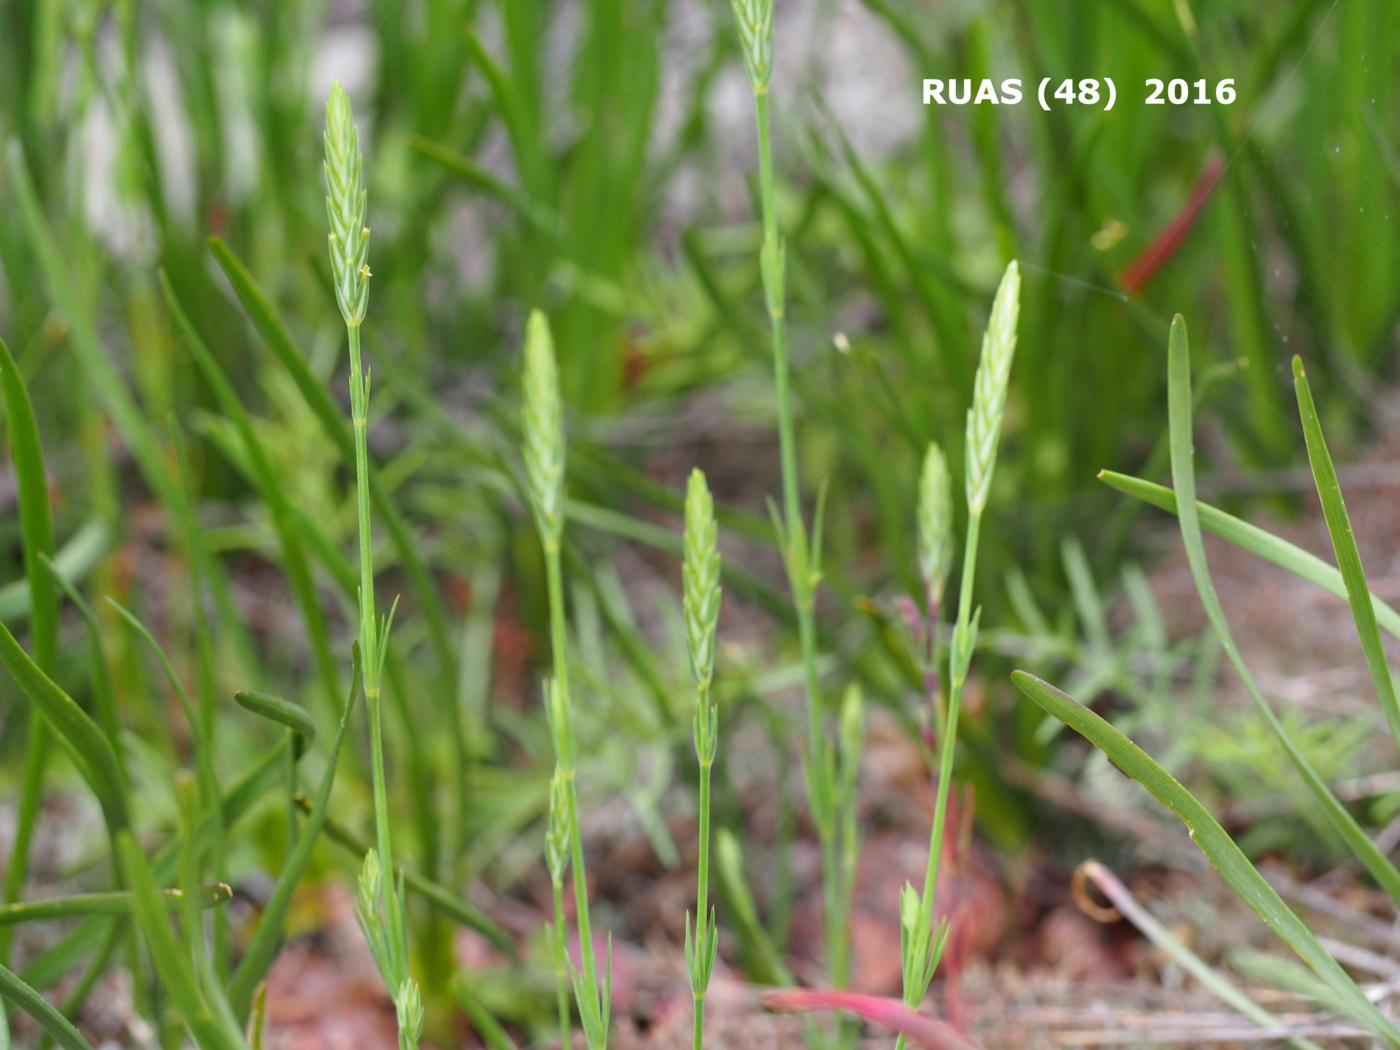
(378, 904)
(701, 602)
(542, 423)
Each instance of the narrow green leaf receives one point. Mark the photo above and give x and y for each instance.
(1334, 510)
(1184, 479)
(95, 756)
(14, 990)
(1212, 840)
(1255, 540)
(116, 902)
(36, 532)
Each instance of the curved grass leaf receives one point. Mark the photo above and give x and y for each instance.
(283, 712)
(262, 949)
(1184, 480)
(1212, 840)
(1255, 540)
(14, 990)
(93, 752)
(1334, 510)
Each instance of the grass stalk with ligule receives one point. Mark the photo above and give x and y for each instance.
(922, 945)
(378, 905)
(543, 431)
(701, 602)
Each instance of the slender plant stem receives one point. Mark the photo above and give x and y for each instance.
(369, 645)
(702, 885)
(555, 584)
(948, 743)
(560, 937)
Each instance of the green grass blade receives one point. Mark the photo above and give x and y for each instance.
(1255, 540)
(35, 519)
(36, 532)
(1212, 840)
(14, 990)
(95, 755)
(262, 949)
(1334, 510)
(1184, 479)
(116, 902)
(172, 964)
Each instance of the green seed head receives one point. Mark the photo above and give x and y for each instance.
(989, 392)
(408, 1005)
(755, 21)
(556, 839)
(935, 522)
(700, 577)
(345, 208)
(543, 427)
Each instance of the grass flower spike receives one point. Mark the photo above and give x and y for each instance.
(755, 22)
(935, 526)
(543, 429)
(989, 393)
(700, 579)
(345, 208)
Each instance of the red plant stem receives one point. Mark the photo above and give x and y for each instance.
(1145, 266)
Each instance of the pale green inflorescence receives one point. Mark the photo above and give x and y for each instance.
(542, 420)
(755, 21)
(408, 1007)
(556, 839)
(700, 577)
(935, 522)
(989, 392)
(345, 208)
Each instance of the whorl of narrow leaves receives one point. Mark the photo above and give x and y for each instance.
(989, 392)
(700, 577)
(935, 522)
(345, 208)
(543, 428)
(755, 21)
